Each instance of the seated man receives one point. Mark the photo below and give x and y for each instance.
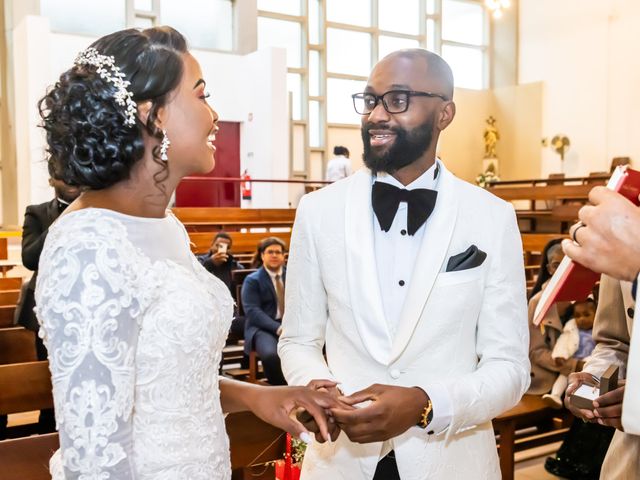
(263, 302)
(219, 260)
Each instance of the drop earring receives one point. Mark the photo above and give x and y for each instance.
(164, 146)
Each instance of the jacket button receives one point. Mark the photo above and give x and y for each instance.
(630, 312)
(395, 373)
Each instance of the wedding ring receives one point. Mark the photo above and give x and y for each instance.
(576, 227)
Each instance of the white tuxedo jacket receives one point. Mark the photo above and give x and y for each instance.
(465, 330)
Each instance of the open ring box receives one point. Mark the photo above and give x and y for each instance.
(584, 396)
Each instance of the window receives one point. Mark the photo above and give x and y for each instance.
(464, 44)
(386, 45)
(352, 12)
(339, 101)
(281, 33)
(463, 22)
(399, 16)
(143, 5)
(294, 85)
(467, 65)
(348, 52)
(210, 28)
(96, 18)
(289, 7)
(331, 51)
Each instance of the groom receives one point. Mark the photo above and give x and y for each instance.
(414, 282)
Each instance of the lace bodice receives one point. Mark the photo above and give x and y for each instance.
(135, 327)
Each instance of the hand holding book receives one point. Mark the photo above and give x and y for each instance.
(606, 242)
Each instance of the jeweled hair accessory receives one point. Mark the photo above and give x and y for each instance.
(110, 72)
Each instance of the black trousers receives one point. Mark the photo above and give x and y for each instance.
(387, 468)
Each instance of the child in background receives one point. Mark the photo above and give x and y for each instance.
(575, 341)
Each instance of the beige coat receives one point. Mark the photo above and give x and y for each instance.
(544, 371)
(611, 331)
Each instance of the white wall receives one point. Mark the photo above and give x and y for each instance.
(250, 89)
(586, 54)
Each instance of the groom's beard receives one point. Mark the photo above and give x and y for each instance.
(408, 146)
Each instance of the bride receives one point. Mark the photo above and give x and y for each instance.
(133, 324)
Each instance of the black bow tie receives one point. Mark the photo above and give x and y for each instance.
(386, 198)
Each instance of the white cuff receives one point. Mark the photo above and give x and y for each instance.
(442, 408)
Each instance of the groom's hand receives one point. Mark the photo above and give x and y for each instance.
(308, 421)
(392, 411)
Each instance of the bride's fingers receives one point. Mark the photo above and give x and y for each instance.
(317, 412)
(321, 383)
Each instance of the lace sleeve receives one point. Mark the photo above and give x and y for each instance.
(88, 310)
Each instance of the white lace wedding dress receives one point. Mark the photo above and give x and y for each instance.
(135, 329)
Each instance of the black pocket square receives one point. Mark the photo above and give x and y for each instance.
(472, 257)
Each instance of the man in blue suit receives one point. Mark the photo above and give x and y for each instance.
(263, 303)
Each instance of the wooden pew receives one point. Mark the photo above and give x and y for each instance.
(25, 387)
(535, 242)
(9, 297)
(10, 283)
(201, 219)
(28, 458)
(17, 345)
(251, 441)
(547, 192)
(562, 202)
(539, 424)
(7, 314)
(241, 242)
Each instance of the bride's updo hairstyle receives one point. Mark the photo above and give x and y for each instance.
(94, 135)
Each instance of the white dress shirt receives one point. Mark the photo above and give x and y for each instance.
(275, 288)
(339, 167)
(396, 252)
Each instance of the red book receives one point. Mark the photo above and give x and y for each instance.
(572, 281)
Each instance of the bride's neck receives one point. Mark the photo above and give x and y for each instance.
(140, 195)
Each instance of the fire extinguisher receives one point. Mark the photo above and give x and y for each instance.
(245, 186)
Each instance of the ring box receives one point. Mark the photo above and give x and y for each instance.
(584, 396)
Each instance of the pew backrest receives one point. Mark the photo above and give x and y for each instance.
(210, 219)
(17, 345)
(9, 297)
(11, 283)
(25, 387)
(242, 243)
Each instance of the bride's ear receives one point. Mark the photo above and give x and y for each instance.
(144, 109)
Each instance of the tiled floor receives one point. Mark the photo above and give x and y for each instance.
(530, 464)
(534, 471)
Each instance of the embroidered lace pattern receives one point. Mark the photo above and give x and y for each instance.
(135, 335)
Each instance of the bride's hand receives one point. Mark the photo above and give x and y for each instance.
(278, 406)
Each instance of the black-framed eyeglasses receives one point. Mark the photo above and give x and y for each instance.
(393, 101)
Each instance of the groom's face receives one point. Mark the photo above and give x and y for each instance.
(392, 141)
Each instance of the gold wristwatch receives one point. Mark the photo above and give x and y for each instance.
(426, 416)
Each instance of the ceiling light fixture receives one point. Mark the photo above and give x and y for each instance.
(497, 6)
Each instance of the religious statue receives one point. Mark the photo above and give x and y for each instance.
(491, 137)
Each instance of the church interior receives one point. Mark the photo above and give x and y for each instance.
(546, 108)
